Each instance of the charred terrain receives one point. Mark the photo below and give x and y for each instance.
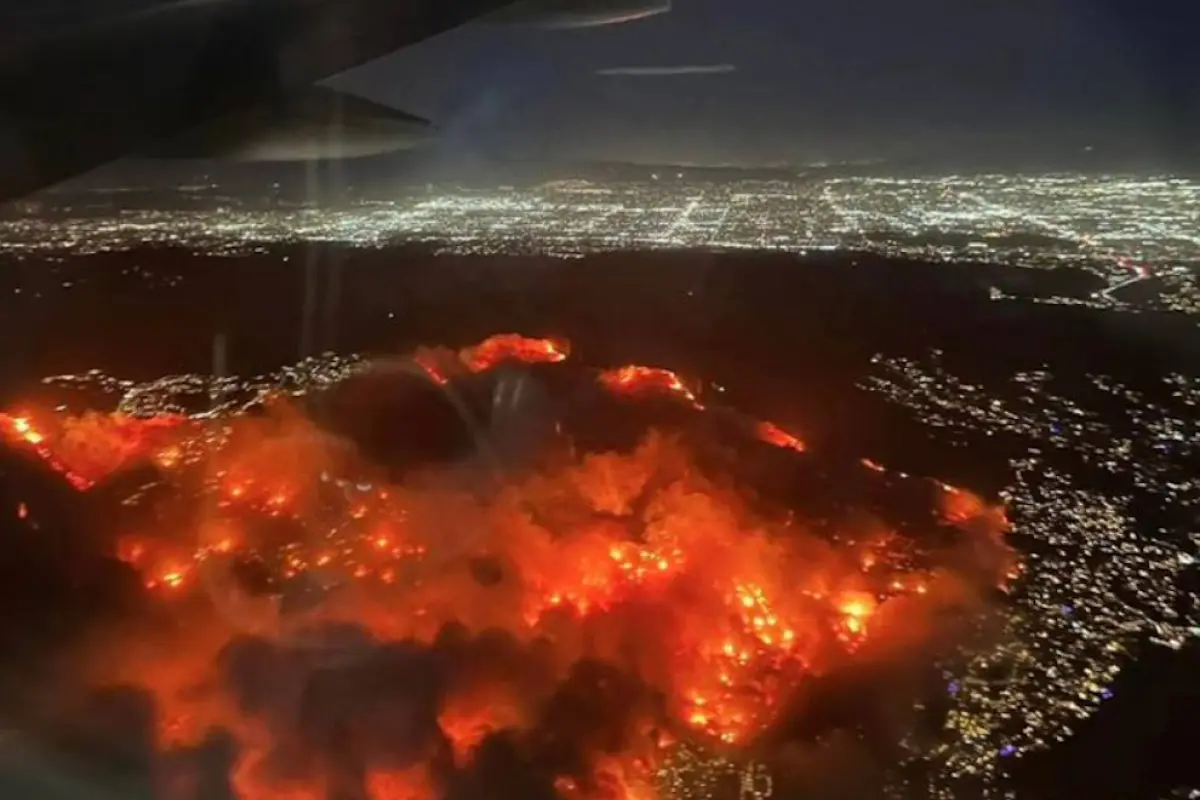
(397, 525)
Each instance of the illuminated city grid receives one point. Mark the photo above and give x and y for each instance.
(1126, 230)
(1097, 581)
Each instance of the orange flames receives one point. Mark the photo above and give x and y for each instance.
(88, 448)
(640, 381)
(512, 347)
(771, 433)
(636, 559)
(441, 364)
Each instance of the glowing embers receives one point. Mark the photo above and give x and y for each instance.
(746, 669)
(264, 497)
(595, 570)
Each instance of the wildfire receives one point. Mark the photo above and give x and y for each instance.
(640, 381)
(635, 560)
(513, 347)
(441, 364)
(87, 449)
(771, 433)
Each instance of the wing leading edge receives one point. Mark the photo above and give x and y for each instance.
(73, 100)
(230, 79)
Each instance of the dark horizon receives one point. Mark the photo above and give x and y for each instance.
(1030, 86)
(862, 80)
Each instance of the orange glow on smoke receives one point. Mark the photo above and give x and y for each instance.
(408, 784)
(88, 448)
(636, 558)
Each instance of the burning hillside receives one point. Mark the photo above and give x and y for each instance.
(620, 624)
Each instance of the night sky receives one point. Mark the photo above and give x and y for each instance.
(816, 81)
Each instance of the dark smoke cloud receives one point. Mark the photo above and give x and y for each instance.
(339, 703)
(336, 703)
(500, 769)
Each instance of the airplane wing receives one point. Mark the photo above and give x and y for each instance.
(218, 78)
